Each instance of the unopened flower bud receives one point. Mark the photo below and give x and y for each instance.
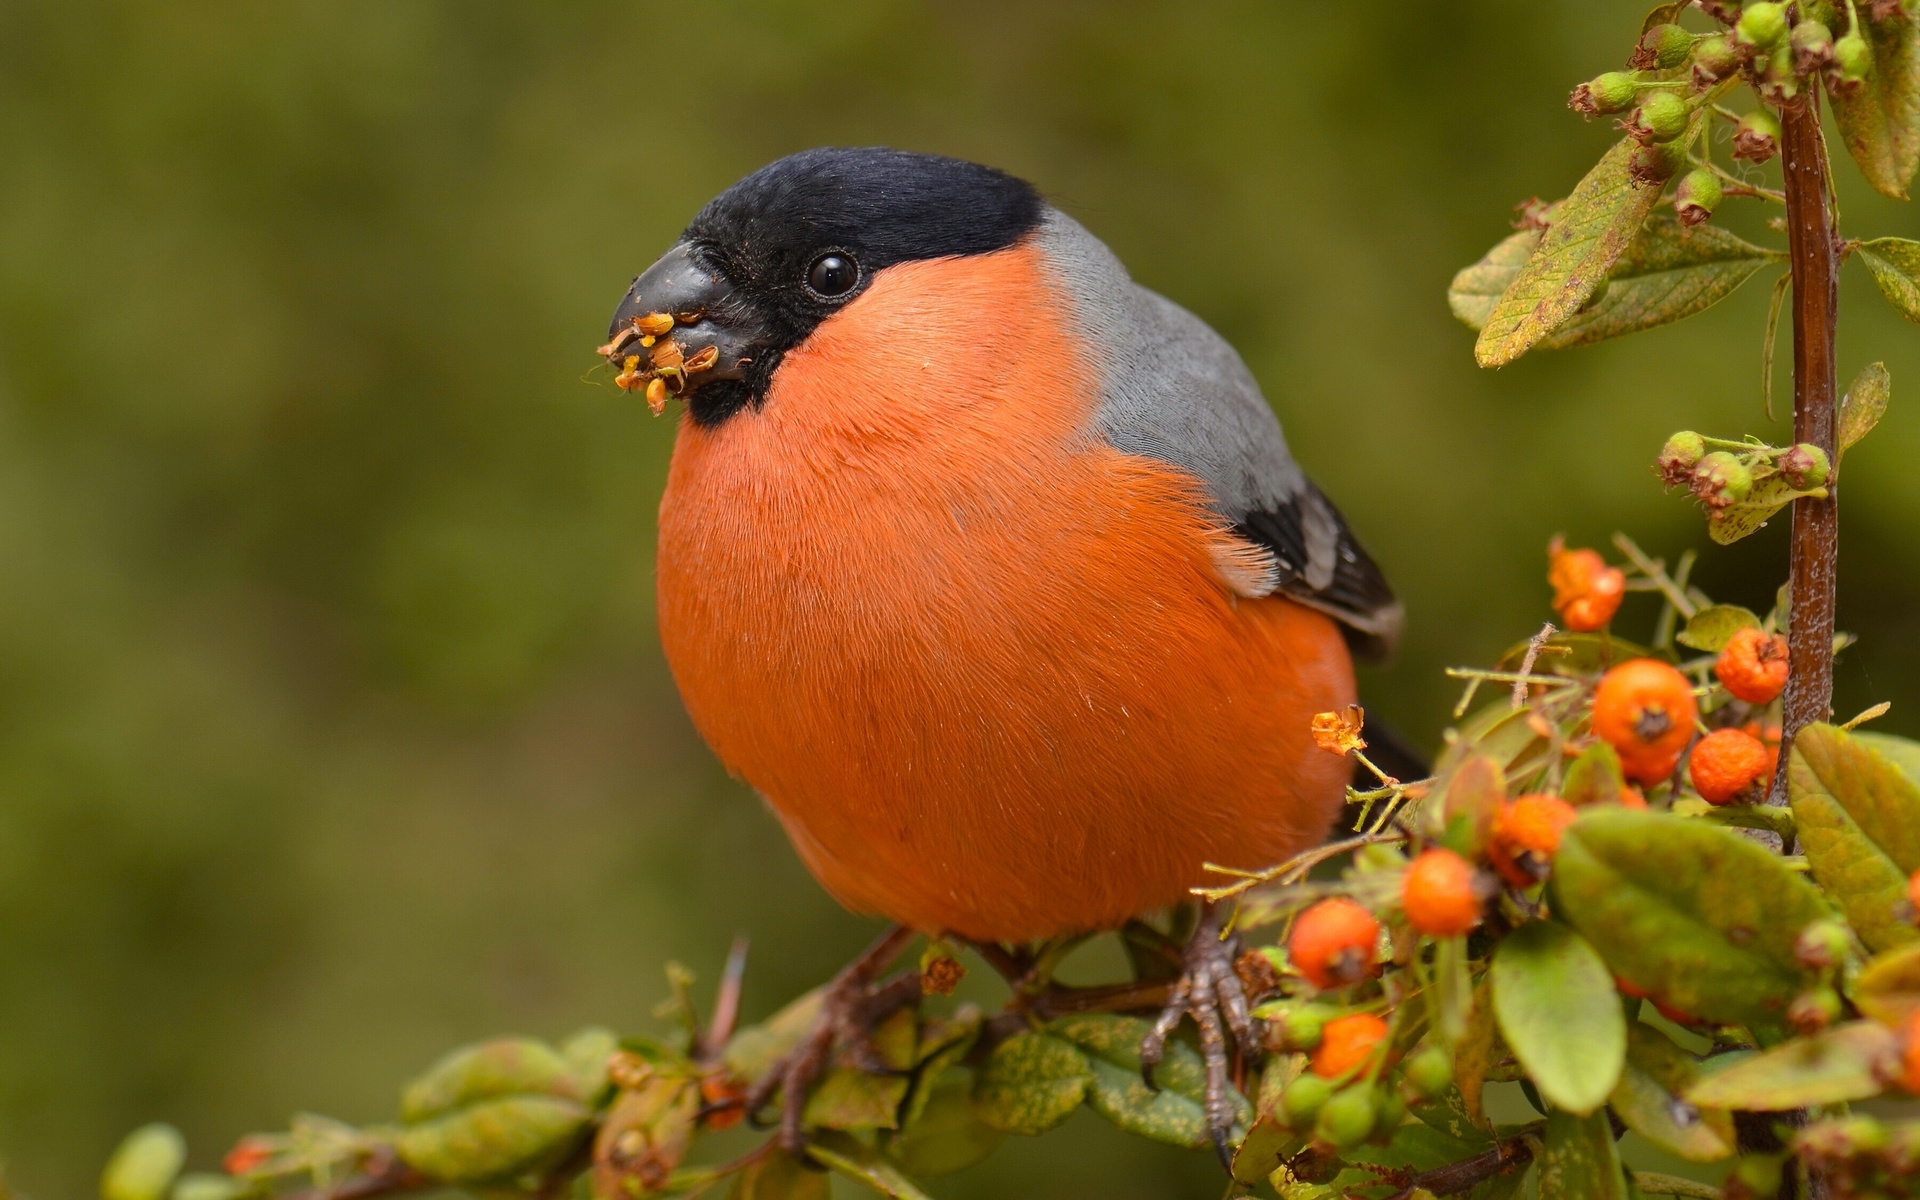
(1715, 58)
(1656, 163)
(1757, 138)
(1610, 93)
(1762, 24)
(1821, 946)
(1813, 1010)
(1662, 46)
(1812, 45)
(1720, 480)
(1661, 117)
(1679, 456)
(1697, 196)
(1853, 59)
(1806, 466)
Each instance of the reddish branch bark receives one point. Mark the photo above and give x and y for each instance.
(1814, 246)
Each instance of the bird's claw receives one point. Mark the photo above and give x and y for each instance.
(850, 1008)
(1209, 991)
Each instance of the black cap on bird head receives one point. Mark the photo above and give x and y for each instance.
(785, 248)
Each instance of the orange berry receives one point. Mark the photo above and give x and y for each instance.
(1334, 943)
(1644, 709)
(1728, 765)
(1347, 1043)
(1753, 665)
(1632, 797)
(1586, 591)
(1526, 836)
(1440, 895)
(724, 1099)
(248, 1155)
(1910, 1052)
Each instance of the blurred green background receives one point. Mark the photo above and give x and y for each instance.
(333, 727)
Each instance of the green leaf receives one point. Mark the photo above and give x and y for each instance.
(947, 1135)
(777, 1176)
(1030, 1083)
(1712, 628)
(587, 1053)
(1888, 988)
(1474, 795)
(943, 1042)
(1595, 777)
(1769, 495)
(1474, 1057)
(1578, 1160)
(1175, 1114)
(1662, 14)
(850, 1097)
(1647, 1099)
(1697, 915)
(489, 1070)
(1591, 229)
(1859, 822)
(1668, 273)
(1895, 264)
(1864, 404)
(1560, 1014)
(1832, 1067)
(1901, 752)
(752, 1051)
(493, 1139)
(1880, 121)
(858, 1162)
(144, 1165)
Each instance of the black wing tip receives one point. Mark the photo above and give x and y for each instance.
(1321, 564)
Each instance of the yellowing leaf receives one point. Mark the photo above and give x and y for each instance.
(1888, 989)
(778, 1176)
(1175, 1114)
(1647, 1099)
(1833, 1067)
(1712, 628)
(1579, 1161)
(858, 1162)
(1591, 229)
(1895, 264)
(1859, 822)
(1595, 777)
(1864, 404)
(1030, 1083)
(1880, 121)
(1697, 915)
(1560, 1014)
(1728, 525)
(947, 1134)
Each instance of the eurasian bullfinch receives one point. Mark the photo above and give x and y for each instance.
(986, 566)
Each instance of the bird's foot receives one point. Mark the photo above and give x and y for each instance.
(1211, 992)
(852, 1005)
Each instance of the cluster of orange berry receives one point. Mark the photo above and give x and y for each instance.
(1646, 709)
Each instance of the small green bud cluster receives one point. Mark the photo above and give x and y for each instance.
(1662, 47)
(1661, 117)
(1722, 477)
(1859, 1156)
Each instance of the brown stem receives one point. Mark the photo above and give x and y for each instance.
(1814, 245)
(1463, 1176)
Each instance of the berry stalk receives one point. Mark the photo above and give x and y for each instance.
(1814, 247)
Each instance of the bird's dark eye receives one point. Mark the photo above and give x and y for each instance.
(833, 275)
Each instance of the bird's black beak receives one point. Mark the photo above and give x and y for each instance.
(680, 325)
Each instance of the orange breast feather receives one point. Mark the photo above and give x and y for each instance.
(979, 662)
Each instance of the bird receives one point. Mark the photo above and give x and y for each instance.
(988, 568)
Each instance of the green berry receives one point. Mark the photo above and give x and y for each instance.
(1300, 1028)
(1662, 117)
(146, 1163)
(1665, 46)
(1390, 1111)
(1762, 24)
(1757, 137)
(1806, 466)
(1304, 1098)
(1610, 93)
(1822, 945)
(1813, 1010)
(1430, 1072)
(1720, 480)
(1347, 1118)
(1680, 456)
(1697, 196)
(1853, 57)
(1812, 45)
(1759, 1175)
(1715, 58)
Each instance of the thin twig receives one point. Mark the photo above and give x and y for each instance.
(1526, 664)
